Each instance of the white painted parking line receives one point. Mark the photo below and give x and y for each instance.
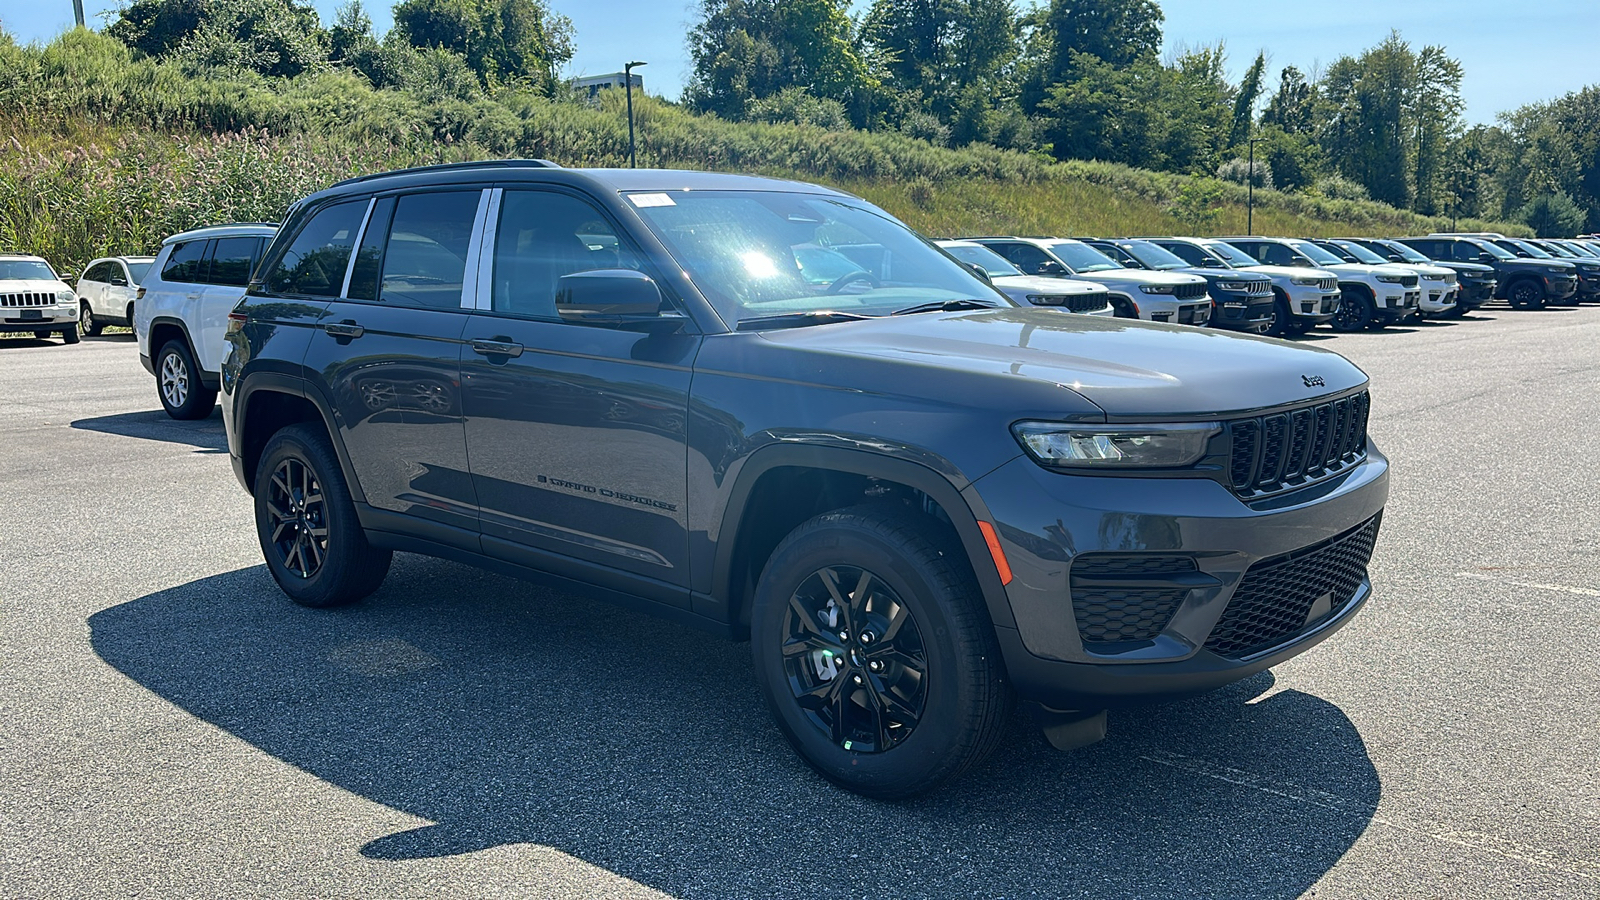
(1563, 588)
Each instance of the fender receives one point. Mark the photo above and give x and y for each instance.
(211, 380)
(963, 516)
(298, 386)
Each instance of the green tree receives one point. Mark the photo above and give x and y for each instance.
(1244, 103)
(1435, 113)
(1119, 32)
(950, 55)
(1554, 215)
(274, 37)
(1367, 137)
(746, 50)
(503, 41)
(1293, 107)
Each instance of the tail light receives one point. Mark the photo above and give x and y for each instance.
(139, 295)
(236, 321)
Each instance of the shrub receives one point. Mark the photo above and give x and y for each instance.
(1237, 170)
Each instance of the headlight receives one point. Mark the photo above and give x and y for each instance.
(65, 296)
(1057, 444)
(1305, 280)
(1156, 288)
(1233, 286)
(1392, 279)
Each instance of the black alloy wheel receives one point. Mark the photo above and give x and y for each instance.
(855, 660)
(1526, 294)
(310, 537)
(1355, 311)
(88, 326)
(875, 653)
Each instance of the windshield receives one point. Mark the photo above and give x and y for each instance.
(1316, 254)
(1152, 256)
(136, 271)
(1527, 248)
(1082, 258)
(1555, 249)
(19, 269)
(1232, 254)
(1404, 252)
(767, 253)
(978, 255)
(1493, 249)
(1362, 254)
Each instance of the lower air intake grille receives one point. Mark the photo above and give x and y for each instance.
(1281, 598)
(1121, 597)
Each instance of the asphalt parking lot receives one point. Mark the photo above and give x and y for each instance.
(173, 726)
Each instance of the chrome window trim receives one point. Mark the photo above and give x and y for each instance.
(473, 278)
(355, 249)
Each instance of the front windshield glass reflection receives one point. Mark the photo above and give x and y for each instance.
(766, 253)
(978, 255)
(1493, 249)
(1362, 254)
(24, 269)
(1316, 254)
(1153, 256)
(1082, 258)
(1404, 252)
(1233, 255)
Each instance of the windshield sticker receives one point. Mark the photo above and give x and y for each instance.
(645, 201)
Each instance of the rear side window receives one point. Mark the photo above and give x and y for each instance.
(232, 259)
(187, 262)
(425, 260)
(1189, 253)
(315, 262)
(1023, 256)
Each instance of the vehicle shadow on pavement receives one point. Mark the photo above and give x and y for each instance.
(508, 713)
(206, 435)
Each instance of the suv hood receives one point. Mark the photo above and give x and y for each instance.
(32, 285)
(1138, 276)
(1029, 362)
(1290, 272)
(1363, 269)
(1039, 284)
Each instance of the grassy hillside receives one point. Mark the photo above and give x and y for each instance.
(101, 153)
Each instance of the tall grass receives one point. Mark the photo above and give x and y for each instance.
(102, 152)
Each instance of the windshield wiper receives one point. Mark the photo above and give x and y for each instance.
(944, 306)
(798, 319)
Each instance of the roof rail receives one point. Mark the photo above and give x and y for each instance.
(447, 167)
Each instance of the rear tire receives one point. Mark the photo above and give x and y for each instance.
(88, 326)
(310, 538)
(875, 653)
(178, 383)
(1355, 311)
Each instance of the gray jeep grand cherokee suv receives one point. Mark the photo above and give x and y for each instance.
(918, 501)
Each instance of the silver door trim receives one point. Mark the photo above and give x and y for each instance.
(472, 278)
(355, 248)
(480, 264)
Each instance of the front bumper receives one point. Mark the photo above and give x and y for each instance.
(1473, 294)
(1396, 300)
(1561, 288)
(1177, 312)
(37, 318)
(1307, 301)
(1589, 286)
(1436, 300)
(1045, 520)
(1240, 311)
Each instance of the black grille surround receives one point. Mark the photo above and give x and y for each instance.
(1274, 453)
(1128, 597)
(1189, 291)
(1282, 598)
(1079, 303)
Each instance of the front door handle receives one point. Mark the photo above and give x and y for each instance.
(346, 329)
(496, 348)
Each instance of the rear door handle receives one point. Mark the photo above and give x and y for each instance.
(345, 329)
(496, 348)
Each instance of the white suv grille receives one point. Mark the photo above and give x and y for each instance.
(27, 298)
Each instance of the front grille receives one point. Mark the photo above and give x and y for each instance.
(27, 298)
(1328, 284)
(1281, 598)
(1117, 597)
(1289, 450)
(1259, 287)
(1409, 281)
(1189, 291)
(1081, 303)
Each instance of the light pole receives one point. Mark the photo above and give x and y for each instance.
(77, 12)
(1250, 181)
(627, 80)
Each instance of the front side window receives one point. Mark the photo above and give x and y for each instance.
(425, 260)
(1027, 257)
(187, 262)
(542, 236)
(767, 253)
(1189, 253)
(1232, 254)
(232, 259)
(315, 262)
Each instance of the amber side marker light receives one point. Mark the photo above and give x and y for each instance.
(993, 540)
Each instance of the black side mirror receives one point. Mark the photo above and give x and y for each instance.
(610, 297)
(1395, 257)
(1050, 267)
(1485, 257)
(980, 271)
(1211, 263)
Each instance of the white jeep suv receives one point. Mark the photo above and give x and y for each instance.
(181, 315)
(1135, 293)
(1370, 296)
(1036, 290)
(106, 291)
(1438, 283)
(34, 298)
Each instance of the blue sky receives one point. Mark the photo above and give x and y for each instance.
(1542, 50)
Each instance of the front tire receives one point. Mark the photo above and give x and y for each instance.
(875, 653)
(70, 335)
(178, 383)
(312, 542)
(1282, 322)
(1355, 311)
(1526, 294)
(88, 326)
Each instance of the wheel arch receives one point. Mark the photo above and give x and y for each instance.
(268, 402)
(783, 486)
